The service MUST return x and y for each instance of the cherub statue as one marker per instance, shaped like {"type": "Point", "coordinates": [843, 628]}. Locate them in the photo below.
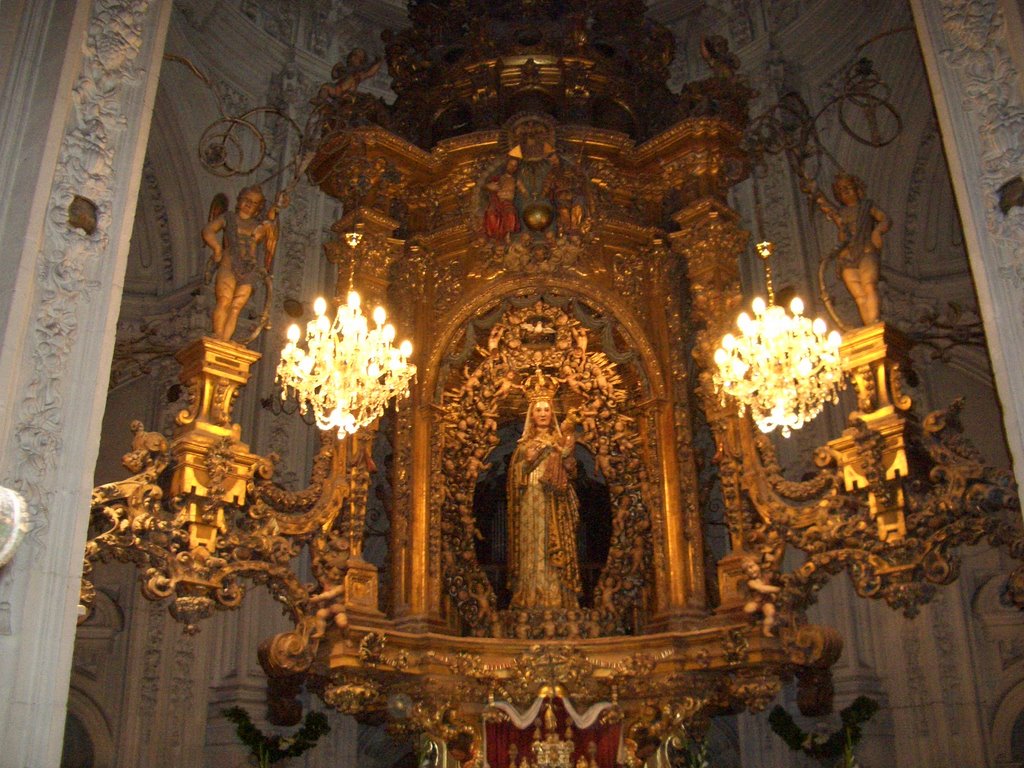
{"type": "Point", "coordinates": [603, 459]}
{"type": "Point", "coordinates": [475, 464]}
{"type": "Point", "coordinates": [572, 625]}
{"type": "Point", "coordinates": [508, 381]}
{"type": "Point", "coordinates": [622, 510]}
{"type": "Point", "coordinates": [472, 380]}
{"type": "Point", "coordinates": [346, 77]}
{"type": "Point", "coordinates": [566, 188]}
{"type": "Point", "coordinates": [580, 338]}
{"type": "Point", "coordinates": [489, 420]}
{"type": "Point", "coordinates": [548, 624]}
{"type": "Point", "coordinates": [494, 337]}
{"type": "Point", "coordinates": [245, 235]}
{"type": "Point", "coordinates": [601, 380]}
{"type": "Point", "coordinates": [518, 251]}
{"type": "Point", "coordinates": [589, 415]}
{"type": "Point", "coordinates": [522, 626]}
{"type": "Point", "coordinates": [571, 378]}
{"type": "Point", "coordinates": [331, 610]}
{"type": "Point", "coordinates": [762, 596]}
{"type": "Point", "coordinates": [609, 586]}
{"type": "Point", "coordinates": [483, 600]}
{"type": "Point", "coordinates": [861, 225]}
{"type": "Point", "coordinates": [621, 436]}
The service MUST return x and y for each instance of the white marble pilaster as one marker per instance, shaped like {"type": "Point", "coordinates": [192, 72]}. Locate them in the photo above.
{"type": "Point", "coordinates": [87, 137]}
{"type": "Point", "coordinates": [969, 52]}
{"type": "Point", "coordinates": [166, 691]}
{"type": "Point", "coordinates": [235, 677]}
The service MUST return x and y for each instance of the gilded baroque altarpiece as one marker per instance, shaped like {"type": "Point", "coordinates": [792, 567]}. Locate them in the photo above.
{"type": "Point", "coordinates": [550, 226]}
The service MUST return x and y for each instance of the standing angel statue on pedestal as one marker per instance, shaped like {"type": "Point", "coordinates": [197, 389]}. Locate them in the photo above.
{"type": "Point", "coordinates": [861, 225]}
{"type": "Point", "coordinates": [243, 253]}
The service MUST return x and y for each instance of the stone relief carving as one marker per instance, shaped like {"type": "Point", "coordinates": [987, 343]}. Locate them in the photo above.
{"type": "Point", "coordinates": [235, 102]}
{"type": "Point", "coordinates": [917, 681]}
{"type": "Point", "coordinates": [144, 342]}
{"type": "Point", "coordinates": [948, 663]}
{"type": "Point", "coordinates": [736, 18]}
{"type": "Point", "coordinates": [989, 85]}
{"type": "Point", "coordinates": [782, 13]}
{"type": "Point", "coordinates": [324, 28]}
{"type": "Point", "coordinates": [152, 656]}
{"type": "Point", "coordinates": [70, 262]}
{"type": "Point", "coordinates": [289, 90]}
{"type": "Point", "coordinates": [155, 203]}
{"type": "Point", "coordinates": [182, 690]}
{"type": "Point", "coordinates": [277, 19]}
{"type": "Point", "coordinates": [933, 240]}
{"type": "Point", "coordinates": [327, 19]}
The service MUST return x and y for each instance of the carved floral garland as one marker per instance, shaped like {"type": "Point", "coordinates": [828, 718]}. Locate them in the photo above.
{"type": "Point", "coordinates": [70, 263]}
{"type": "Point", "coordinates": [978, 53]}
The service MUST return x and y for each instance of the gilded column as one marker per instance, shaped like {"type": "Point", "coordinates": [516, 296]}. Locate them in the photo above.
{"type": "Point", "coordinates": [416, 538]}
{"type": "Point", "coordinates": [709, 241]}
{"type": "Point", "coordinates": [364, 253]}
{"type": "Point", "coordinates": [680, 582]}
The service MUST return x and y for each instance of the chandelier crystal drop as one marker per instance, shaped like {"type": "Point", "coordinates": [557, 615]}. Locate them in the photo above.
{"type": "Point", "coordinates": [348, 371]}
{"type": "Point", "coordinates": [782, 366]}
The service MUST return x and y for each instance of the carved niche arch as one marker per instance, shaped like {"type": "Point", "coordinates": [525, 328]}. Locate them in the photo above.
{"type": "Point", "coordinates": [604, 377]}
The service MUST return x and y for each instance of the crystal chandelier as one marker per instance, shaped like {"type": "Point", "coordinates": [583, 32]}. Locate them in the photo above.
{"type": "Point", "coordinates": [348, 371]}
{"type": "Point", "coordinates": [782, 366]}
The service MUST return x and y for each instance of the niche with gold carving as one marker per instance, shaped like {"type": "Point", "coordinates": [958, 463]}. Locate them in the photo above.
{"type": "Point", "coordinates": [599, 388]}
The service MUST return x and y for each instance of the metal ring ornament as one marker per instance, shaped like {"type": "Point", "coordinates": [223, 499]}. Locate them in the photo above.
{"type": "Point", "coordinates": [865, 91]}
{"type": "Point", "coordinates": [220, 147]}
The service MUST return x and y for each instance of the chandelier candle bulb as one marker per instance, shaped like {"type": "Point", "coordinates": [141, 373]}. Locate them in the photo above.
{"type": "Point", "coordinates": [782, 366]}
{"type": "Point", "coordinates": [348, 371]}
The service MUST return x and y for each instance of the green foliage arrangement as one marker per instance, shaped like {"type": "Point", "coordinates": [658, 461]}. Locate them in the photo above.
{"type": "Point", "coordinates": [829, 748]}
{"type": "Point", "coordinates": [272, 749]}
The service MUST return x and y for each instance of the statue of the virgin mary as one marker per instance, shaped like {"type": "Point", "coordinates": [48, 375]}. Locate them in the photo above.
{"type": "Point", "coordinates": [543, 512]}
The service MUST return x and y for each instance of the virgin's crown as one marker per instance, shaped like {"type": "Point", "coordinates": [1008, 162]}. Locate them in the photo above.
{"type": "Point", "coordinates": [539, 386]}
